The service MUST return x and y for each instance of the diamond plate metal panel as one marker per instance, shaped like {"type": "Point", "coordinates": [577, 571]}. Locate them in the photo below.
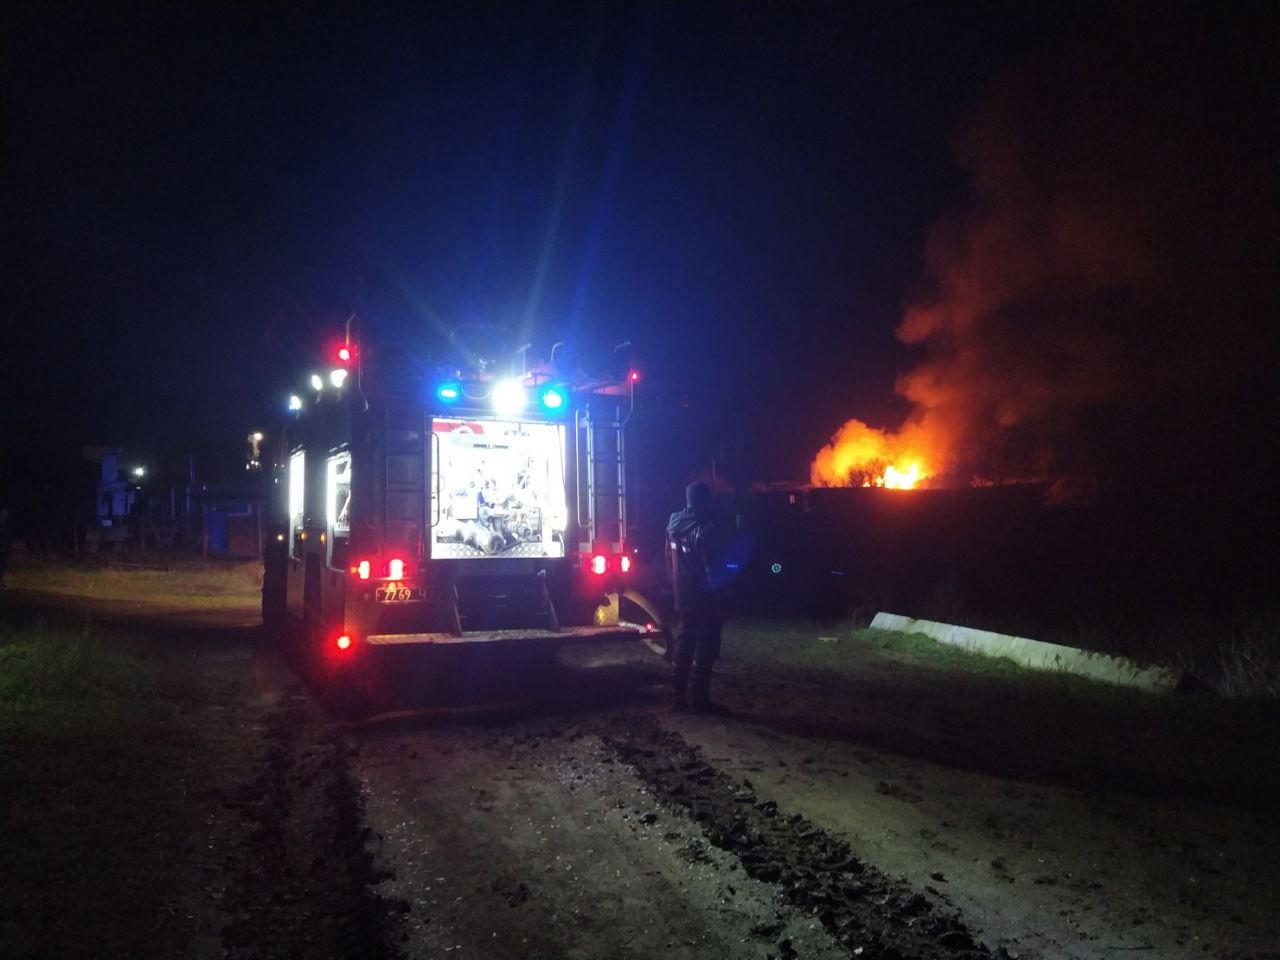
{"type": "Point", "coordinates": [520, 551]}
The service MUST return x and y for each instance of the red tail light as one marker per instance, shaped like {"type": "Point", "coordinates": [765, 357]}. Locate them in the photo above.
{"type": "Point", "coordinates": [395, 569]}
{"type": "Point", "coordinates": [597, 563]}
{"type": "Point", "coordinates": [344, 642]}
{"type": "Point", "coordinates": [624, 563]}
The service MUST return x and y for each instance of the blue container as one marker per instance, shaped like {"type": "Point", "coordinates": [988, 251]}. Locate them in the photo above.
{"type": "Point", "coordinates": [218, 531]}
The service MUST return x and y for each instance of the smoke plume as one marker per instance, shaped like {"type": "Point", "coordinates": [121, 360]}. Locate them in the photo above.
{"type": "Point", "coordinates": [1106, 289]}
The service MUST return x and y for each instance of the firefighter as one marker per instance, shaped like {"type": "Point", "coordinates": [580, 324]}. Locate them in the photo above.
{"type": "Point", "coordinates": [693, 546]}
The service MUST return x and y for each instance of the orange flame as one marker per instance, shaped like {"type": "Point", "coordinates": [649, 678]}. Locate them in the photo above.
{"type": "Point", "coordinates": [896, 479]}
{"type": "Point", "coordinates": [862, 456]}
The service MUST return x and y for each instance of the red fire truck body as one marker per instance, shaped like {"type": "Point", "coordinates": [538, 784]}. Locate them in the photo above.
{"type": "Point", "coordinates": [467, 511]}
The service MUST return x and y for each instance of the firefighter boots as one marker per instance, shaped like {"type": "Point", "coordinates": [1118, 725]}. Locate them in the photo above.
{"type": "Point", "coordinates": [680, 684]}
{"type": "Point", "coordinates": [700, 702]}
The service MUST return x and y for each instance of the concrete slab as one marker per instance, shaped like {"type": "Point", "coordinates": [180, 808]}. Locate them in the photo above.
{"type": "Point", "coordinates": [1037, 654]}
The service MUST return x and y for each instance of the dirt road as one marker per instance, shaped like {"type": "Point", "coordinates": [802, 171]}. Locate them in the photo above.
{"type": "Point", "coordinates": [889, 810]}
{"type": "Point", "coordinates": [866, 804]}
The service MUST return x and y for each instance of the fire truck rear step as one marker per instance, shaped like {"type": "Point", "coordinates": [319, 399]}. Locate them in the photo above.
{"type": "Point", "coordinates": [563, 635]}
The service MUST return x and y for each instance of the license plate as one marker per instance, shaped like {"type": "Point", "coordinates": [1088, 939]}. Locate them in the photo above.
{"type": "Point", "coordinates": [395, 593]}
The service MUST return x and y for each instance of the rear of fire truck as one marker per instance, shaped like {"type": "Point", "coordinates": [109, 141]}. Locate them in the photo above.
{"type": "Point", "coordinates": [476, 509]}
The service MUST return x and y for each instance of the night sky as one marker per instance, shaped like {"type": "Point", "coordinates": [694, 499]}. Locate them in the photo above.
{"type": "Point", "coordinates": [1045, 230]}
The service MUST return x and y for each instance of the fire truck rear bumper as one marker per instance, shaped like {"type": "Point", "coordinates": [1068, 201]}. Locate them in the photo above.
{"type": "Point", "coordinates": [563, 635]}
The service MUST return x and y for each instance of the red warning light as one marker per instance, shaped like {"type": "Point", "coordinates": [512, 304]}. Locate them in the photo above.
{"type": "Point", "coordinates": [344, 642]}
{"type": "Point", "coordinates": [633, 376]}
{"type": "Point", "coordinates": [597, 564]}
{"type": "Point", "coordinates": [345, 353]}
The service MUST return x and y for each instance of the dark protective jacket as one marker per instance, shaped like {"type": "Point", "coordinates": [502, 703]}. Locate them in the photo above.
{"type": "Point", "coordinates": [693, 547]}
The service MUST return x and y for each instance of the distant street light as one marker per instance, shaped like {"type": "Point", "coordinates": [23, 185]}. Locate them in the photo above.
{"type": "Point", "coordinates": [139, 471]}
{"type": "Point", "coordinates": [255, 451]}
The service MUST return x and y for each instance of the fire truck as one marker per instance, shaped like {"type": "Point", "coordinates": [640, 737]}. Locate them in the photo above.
{"type": "Point", "coordinates": [454, 509]}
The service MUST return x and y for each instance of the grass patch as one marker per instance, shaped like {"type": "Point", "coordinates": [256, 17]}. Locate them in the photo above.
{"type": "Point", "coordinates": [1231, 649]}
{"type": "Point", "coordinates": [924, 649]}
{"type": "Point", "coordinates": [66, 681]}
{"type": "Point", "coordinates": [1235, 653]}
{"type": "Point", "coordinates": [842, 646]}
{"type": "Point", "coordinates": [847, 648]}
{"type": "Point", "coordinates": [176, 580]}
{"type": "Point", "coordinates": [915, 649]}
{"type": "Point", "coordinates": [92, 756]}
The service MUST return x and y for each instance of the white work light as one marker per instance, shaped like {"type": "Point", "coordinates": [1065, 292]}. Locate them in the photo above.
{"type": "Point", "coordinates": [337, 376]}
{"type": "Point", "coordinates": [508, 397]}
{"type": "Point", "coordinates": [316, 383]}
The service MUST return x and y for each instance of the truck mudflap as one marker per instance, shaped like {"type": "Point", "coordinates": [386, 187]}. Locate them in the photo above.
{"type": "Point", "coordinates": [622, 631]}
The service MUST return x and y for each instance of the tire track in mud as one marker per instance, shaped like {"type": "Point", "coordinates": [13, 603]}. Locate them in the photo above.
{"type": "Point", "coordinates": [873, 916]}
{"type": "Point", "coordinates": [305, 873]}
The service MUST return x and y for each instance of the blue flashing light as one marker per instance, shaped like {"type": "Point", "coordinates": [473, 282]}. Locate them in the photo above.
{"type": "Point", "coordinates": [553, 399]}
{"type": "Point", "coordinates": [449, 392]}
{"type": "Point", "coordinates": [733, 566]}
